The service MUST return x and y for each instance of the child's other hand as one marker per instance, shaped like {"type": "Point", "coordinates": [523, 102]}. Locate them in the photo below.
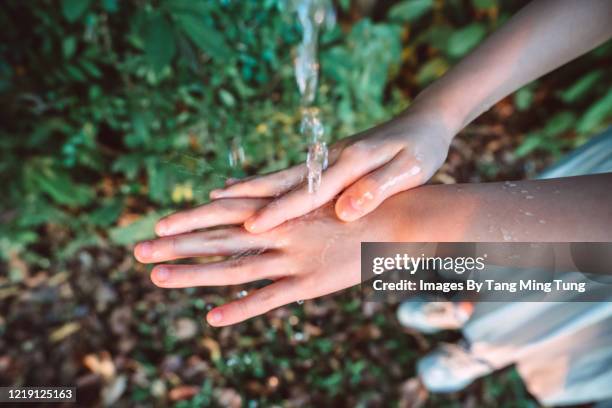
{"type": "Point", "coordinates": [307, 257]}
{"type": "Point", "coordinates": [365, 169]}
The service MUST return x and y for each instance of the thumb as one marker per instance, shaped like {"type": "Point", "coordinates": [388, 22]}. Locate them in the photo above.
{"type": "Point", "coordinates": [365, 195]}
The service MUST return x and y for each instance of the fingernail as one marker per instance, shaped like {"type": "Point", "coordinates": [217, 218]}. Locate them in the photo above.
{"type": "Point", "coordinates": [215, 316]}
{"type": "Point", "coordinates": [162, 274]}
{"type": "Point", "coordinates": [250, 225]}
{"type": "Point", "coordinates": [162, 228]}
{"type": "Point", "coordinates": [356, 203]}
{"type": "Point", "coordinates": [145, 249]}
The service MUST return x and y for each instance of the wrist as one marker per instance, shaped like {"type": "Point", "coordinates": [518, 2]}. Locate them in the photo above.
{"type": "Point", "coordinates": [443, 110]}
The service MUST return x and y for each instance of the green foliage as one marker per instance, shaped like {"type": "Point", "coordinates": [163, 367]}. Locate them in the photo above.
{"type": "Point", "coordinates": [548, 138]}
{"type": "Point", "coordinates": [409, 11]}
{"type": "Point", "coordinates": [462, 41]}
{"type": "Point", "coordinates": [581, 87]}
{"type": "Point", "coordinates": [523, 98]}
{"type": "Point", "coordinates": [596, 115]}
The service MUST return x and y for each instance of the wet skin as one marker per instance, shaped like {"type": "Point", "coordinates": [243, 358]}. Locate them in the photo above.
{"type": "Point", "coordinates": [318, 254]}
{"type": "Point", "coordinates": [405, 152]}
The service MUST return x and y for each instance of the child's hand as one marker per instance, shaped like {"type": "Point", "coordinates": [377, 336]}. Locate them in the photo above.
{"type": "Point", "coordinates": [307, 257]}
{"type": "Point", "coordinates": [366, 168]}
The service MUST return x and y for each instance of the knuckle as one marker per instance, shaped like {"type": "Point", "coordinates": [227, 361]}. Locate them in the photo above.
{"type": "Point", "coordinates": [223, 204]}
{"type": "Point", "coordinates": [175, 245]}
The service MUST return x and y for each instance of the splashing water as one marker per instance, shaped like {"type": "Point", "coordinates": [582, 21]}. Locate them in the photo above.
{"type": "Point", "coordinates": [236, 156]}
{"type": "Point", "coordinates": [316, 160]}
{"type": "Point", "coordinates": [312, 15]}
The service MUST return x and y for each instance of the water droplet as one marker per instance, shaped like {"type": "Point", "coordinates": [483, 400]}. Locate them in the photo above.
{"type": "Point", "coordinates": [300, 302]}
{"type": "Point", "coordinates": [506, 235]}
{"type": "Point", "coordinates": [529, 197]}
{"type": "Point", "coordinates": [298, 336]}
{"type": "Point", "coordinates": [414, 170]}
{"type": "Point", "coordinates": [236, 156]}
{"type": "Point", "coordinates": [542, 222]}
{"type": "Point", "coordinates": [241, 294]}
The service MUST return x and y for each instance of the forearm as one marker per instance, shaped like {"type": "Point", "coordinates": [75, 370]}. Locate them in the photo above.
{"type": "Point", "coordinates": [575, 209]}
{"type": "Point", "coordinates": [539, 38]}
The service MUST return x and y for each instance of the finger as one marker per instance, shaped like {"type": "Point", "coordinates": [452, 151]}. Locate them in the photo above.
{"type": "Point", "coordinates": [218, 212]}
{"type": "Point", "coordinates": [230, 272]}
{"type": "Point", "coordinates": [261, 301]}
{"type": "Point", "coordinates": [270, 185]}
{"type": "Point", "coordinates": [365, 195]}
{"type": "Point", "coordinates": [225, 241]}
{"type": "Point", "coordinates": [299, 202]}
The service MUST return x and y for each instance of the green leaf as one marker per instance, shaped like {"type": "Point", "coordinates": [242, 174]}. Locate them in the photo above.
{"type": "Point", "coordinates": [431, 70]}
{"type": "Point", "coordinates": [581, 87]}
{"type": "Point", "coordinates": [110, 6]}
{"type": "Point", "coordinates": [596, 115]}
{"type": "Point", "coordinates": [227, 98]}
{"type": "Point", "coordinates": [45, 177]}
{"type": "Point", "coordinates": [69, 46]}
{"type": "Point", "coordinates": [73, 9]}
{"type": "Point", "coordinates": [523, 98]}
{"type": "Point", "coordinates": [464, 40]}
{"type": "Point", "coordinates": [107, 213]}
{"type": "Point", "coordinates": [484, 4]}
{"type": "Point", "coordinates": [159, 43]}
{"type": "Point", "coordinates": [559, 123]}
{"type": "Point", "coordinates": [205, 37]}
{"type": "Point", "coordinates": [410, 11]}
{"type": "Point", "coordinates": [139, 230]}
{"type": "Point", "coordinates": [532, 141]}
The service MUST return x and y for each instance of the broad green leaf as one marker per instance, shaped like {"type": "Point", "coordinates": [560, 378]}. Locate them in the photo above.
{"type": "Point", "coordinates": [58, 185]}
{"type": "Point", "coordinates": [431, 70]}
{"type": "Point", "coordinates": [559, 123]}
{"type": "Point", "coordinates": [464, 40]}
{"type": "Point", "coordinates": [227, 98]}
{"type": "Point", "coordinates": [108, 212]}
{"type": "Point", "coordinates": [581, 87]}
{"type": "Point", "coordinates": [206, 37]}
{"type": "Point", "coordinates": [159, 41]}
{"type": "Point", "coordinates": [69, 46]}
{"type": "Point", "coordinates": [90, 68]}
{"type": "Point", "coordinates": [596, 115]}
{"type": "Point", "coordinates": [158, 181]}
{"type": "Point", "coordinates": [73, 9]}
{"type": "Point", "coordinates": [523, 98]}
{"type": "Point", "coordinates": [531, 142]}
{"type": "Point", "coordinates": [409, 11]}
{"type": "Point", "coordinates": [138, 230]}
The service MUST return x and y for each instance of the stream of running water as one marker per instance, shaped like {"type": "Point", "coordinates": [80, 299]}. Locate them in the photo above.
{"type": "Point", "coordinates": [312, 15]}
